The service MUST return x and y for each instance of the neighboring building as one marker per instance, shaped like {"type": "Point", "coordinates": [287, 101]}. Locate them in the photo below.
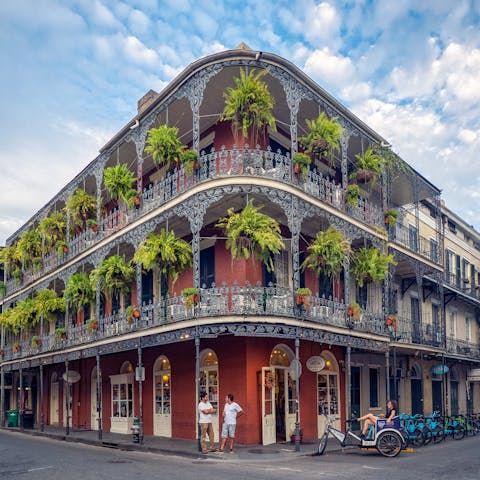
{"type": "Point", "coordinates": [246, 330]}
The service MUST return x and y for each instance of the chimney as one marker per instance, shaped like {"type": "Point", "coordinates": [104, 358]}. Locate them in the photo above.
{"type": "Point", "coordinates": [146, 101]}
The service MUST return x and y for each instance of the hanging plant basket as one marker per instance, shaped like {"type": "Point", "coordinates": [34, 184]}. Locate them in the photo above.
{"type": "Point", "coordinates": [364, 176]}
{"type": "Point", "coordinates": [303, 296]}
{"type": "Point", "coordinates": [191, 296]}
{"type": "Point", "coordinates": [353, 311]}
{"type": "Point", "coordinates": [17, 347]}
{"type": "Point", "coordinates": [92, 325]}
{"type": "Point", "coordinates": [391, 322]}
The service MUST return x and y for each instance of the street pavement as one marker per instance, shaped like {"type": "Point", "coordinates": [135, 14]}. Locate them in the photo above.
{"type": "Point", "coordinates": [27, 456]}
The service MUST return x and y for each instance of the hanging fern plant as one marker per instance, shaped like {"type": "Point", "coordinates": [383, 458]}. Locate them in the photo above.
{"type": "Point", "coordinates": [119, 181]}
{"type": "Point", "coordinates": [79, 291]}
{"type": "Point", "coordinates": [369, 265]}
{"type": "Point", "coordinates": [327, 252]}
{"type": "Point", "coordinates": [47, 302]}
{"type": "Point", "coordinates": [81, 206]}
{"type": "Point", "coordinates": [249, 106]}
{"type": "Point", "coordinates": [170, 254]}
{"type": "Point", "coordinates": [252, 233]}
{"type": "Point", "coordinates": [114, 273]}
{"type": "Point", "coordinates": [164, 145]}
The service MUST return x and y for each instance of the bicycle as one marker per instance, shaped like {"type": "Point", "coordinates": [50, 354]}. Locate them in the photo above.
{"type": "Point", "coordinates": [384, 436]}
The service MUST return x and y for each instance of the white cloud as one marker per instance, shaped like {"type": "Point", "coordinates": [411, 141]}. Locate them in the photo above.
{"type": "Point", "coordinates": [329, 69]}
{"type": "Point", "coordinates": [139, 22]}
{"type": "Point", "coordinates": [137, 52]}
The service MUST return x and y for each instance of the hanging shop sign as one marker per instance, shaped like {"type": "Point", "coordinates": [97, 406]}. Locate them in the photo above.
{"type": "Point", "coordinates": [439, 369]}
{"type": "Point", "coordinates": [293, 369]}
{"type": "Point", "coordinates": [316, 363]}
{"type": "Point", "coordinates": [72, 377]}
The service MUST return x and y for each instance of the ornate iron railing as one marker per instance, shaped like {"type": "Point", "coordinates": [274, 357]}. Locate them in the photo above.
{"type": "Point", "coordinates": [245, 301]}
{"type": "Point", "coordinates": [217, 164]}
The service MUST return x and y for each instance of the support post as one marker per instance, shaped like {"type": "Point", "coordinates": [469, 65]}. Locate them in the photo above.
{"type": "Point", "coordinates": [20, 410]}
{"type": "Point", "coordinates": [387, 372]}
{"type": "Point", "coordinates": [297, 394]}
{"type": "Point", "coordinates": [349, 383]}
{"type": "Point", "coordinates": [2, 396]}
{"type": "Point", "coordinates": [197, 386]}
{"type": "Point", "coordinates": [140, 394]}
{"type": "Point", "coordinates": [42, 416]}
{"type": "Point", "coordinates": [67, 401]}
{"type": "Point", "coordinates": [99, 397]}
{"type": "Point", "coordinates": [395, 393]}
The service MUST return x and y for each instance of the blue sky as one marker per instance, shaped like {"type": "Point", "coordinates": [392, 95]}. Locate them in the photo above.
{"type": "Point", "coordinates": [73, 70]}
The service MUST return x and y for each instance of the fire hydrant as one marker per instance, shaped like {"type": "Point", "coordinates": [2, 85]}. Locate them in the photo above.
{"type": "Point", "coordinates": [135, 428]}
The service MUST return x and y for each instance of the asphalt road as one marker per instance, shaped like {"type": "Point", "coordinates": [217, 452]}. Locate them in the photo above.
{"type": "Point", "coordinates": [26, 457]}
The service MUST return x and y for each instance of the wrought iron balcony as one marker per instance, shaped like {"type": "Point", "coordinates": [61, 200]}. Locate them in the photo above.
{"type": "Point", "coordinates": [465, 285]}
{"type": "Point", "coordinates": [425, 332]}
{"type": "Point", "coordinates": [245, 301]}
{"type": "Point", "coordinates": [217, 164]}
{"type": "Point", "coordinates": [463, 347]}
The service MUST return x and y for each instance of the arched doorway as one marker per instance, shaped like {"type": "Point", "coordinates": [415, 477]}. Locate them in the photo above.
{"type": "Point", "coordinates": [278, 397]}
{"type": "Point", "coordinates": [453, 392]}
{"type": "Point", "coordinates": [94, 412]}
{"type": "Point", "coordinates": [416, 385]}
{"type": "Point", "coordinates": [122, 405]}
{"type": "Point", "coordinates": [54, 404]}
{"type": "Point", "coordinates": [162, 418]}
{"type": "Point", "coordinates": [209, 383]}
{"type": "Point", "coordinates": [328, 392]}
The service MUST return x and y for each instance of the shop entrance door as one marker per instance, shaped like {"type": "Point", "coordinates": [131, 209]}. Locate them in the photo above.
{"type": "Point", "coordinates": [54, 407]}
{"type": "Point", "coordinates": [268, 411]}
{"type": "Point", "coordinates": [285, 405]}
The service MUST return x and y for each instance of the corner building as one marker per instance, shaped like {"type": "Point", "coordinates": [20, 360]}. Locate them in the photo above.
{"type": "Point", "coordinates": [245, 332]}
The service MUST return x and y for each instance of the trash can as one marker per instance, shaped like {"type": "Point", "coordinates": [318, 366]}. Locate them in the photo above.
{"type": "Point", "coordinates": [28, 419]}
{"type": "Point", "coordinates": [12, 418]}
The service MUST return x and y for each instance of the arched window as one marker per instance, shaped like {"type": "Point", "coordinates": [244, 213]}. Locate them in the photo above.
{"type": "Point", "coordinates": [209, 376]}
{"type": "Point", "coordinates": [162, 401]}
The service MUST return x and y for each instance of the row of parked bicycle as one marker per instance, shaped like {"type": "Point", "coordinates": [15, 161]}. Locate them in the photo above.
{"type": "Point", "coordinates": [418, 430]}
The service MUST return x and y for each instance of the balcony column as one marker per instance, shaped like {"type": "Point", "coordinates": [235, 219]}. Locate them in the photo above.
{"type": "Point", "coordinates": [2, 393]}
{"type": "Point", "coordinates": [197, 383]}
{"type": "Point", "coordinates": [344, 165]}
{"type": "Point", "coordinates": [195, 213]}
{"type": "Point", "coordinates": [98, 180]}
{"type": "Point", "coordinates": [99, 396]}
{"type": "Point", "coordinates": [98, 294]}
{"type": "Point", "coordinates": [138, 281]}
{"type": "Point", "coordinates": [138, 136]}
{"type": "Point", "coordinates": [419, 279]}
{"type": "Point", "coordinates": [439, 224]}
{"type": "Point", "coordinates": [346, 282]}
{"type": "Point", "coordinates": [20, 407]}
{"type": "Point", "coordinates": [348, 388]}
{"type": "Point", "coordinates": [416, 188]}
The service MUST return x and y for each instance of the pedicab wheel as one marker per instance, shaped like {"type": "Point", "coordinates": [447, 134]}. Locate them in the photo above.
{"type": "Point", "coordinates": [322, 445]}
{"type": "Point", "coordinates": [389, 444]}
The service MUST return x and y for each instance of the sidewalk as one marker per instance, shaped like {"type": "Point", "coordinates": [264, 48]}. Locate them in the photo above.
{"type": "Point", "coordinates": [176, 446]}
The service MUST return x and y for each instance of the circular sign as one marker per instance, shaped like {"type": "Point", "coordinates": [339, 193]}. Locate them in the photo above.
{"type": "Point", "coordinates": [293, 369]}
{"type": "Point", "coordinates": [439, 369]}
{"type": "Point", "coordinates": [316, 364]}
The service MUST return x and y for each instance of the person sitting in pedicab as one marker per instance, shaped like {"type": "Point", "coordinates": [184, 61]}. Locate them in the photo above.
{"type": "Point", "coordinates": [371, 419]}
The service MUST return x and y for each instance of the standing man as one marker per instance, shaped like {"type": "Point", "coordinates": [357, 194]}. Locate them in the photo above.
{"type": "Point", "coordinates": [205, 411]}
{"type": "Point", "coordinates": [231, 411]}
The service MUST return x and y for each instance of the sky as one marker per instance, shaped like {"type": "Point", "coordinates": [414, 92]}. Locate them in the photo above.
{"type": "Point", "coordinates": [73, 70]}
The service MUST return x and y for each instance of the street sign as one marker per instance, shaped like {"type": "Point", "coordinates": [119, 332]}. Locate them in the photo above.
{"type": "Point", "coordinates": [439, 369]}
{"type": "Point", "coordinates": [140, 374]}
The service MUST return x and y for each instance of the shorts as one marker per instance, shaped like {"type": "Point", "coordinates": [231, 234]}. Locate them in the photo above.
{"type": "Point", "coordinates": [228, 430]}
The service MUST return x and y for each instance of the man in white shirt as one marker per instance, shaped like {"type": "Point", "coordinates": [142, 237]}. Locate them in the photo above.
{"type": "Point", "coordinates": [205, 411]}
{"type": "Point", "coordinates": [231, 411]}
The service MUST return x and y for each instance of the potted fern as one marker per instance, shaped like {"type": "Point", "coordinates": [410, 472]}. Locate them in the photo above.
{"type": "Point", "coordinates": [323, 138]}
{"type": "Point", "coordinates": [251, 233]}
{"type": "Point", "coordinates": [36, 341]}
{"type": "Point", "coordinates": [354, 311]}
{"type": "Point", "coordinates": [249, 106]}
{"type": "Point", "coordinates": [189, 160]}
{"type": "Point", "coordinates": [79, 291]}
{"type": "Point", "coordinates": [191, 296]}
{"type": "Point", "coordinates": [391, 217]}
{"type": "Point", "coordinates": [61, 334]}
{"type": "Point", "coordinates": [301, 162]}
{"type": "Point", "coordinates": [351, 195]}
{"type": "Point", "coordinates": [92, 325]}
{"type": "Point", "coordinates": [53, 229]}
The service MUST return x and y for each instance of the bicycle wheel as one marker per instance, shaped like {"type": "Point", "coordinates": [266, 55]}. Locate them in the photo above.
{"type": "Point", "coordinates": [438, 434]}
{"type": "Point", "coordinates": [389, 444]}
{"type": "Point", "coordinates": [417, 438]}
{"type": "Point", "coordinates": [322, 445]}
{"type": "Point", "coordinates": [458, 432]}
{"type": "Point", "coordinates": [427, 435]}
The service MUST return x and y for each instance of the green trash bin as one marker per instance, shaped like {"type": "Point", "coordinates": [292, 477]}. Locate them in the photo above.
{"type": "Point", "coordinates": [12, 418]}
